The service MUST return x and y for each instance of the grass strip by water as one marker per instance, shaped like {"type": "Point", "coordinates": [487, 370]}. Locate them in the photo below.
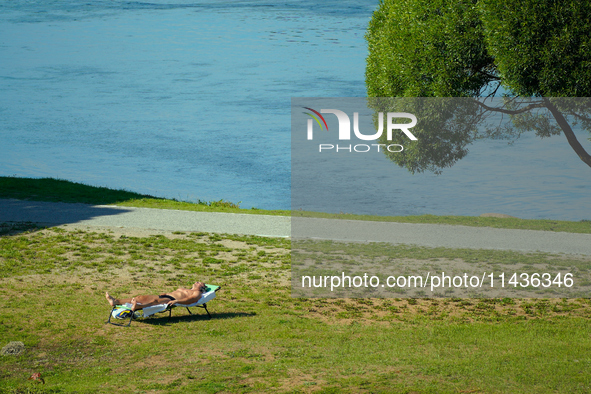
{"type": "Point", "coordinates": [59, 190]}
{"type": "Point", "coordinates": [260, 338]}
{"type": "Point", "coordinates": [49, 189]}
{"type": "Point", "coordinates": [583, 226]}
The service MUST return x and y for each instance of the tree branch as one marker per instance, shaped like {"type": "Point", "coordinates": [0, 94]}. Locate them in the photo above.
{"type": "Point", "coordinates": [580, 116]}
{"type": "Point", "coordinates": [568, 132]}
{"type": "Point", "coordinates": [511, 112]}
{"type": "Point", "coordinates": [489, 76]}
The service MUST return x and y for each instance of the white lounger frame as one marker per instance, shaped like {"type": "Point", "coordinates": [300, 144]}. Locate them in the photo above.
{"type": "Point", "coordinates": [152, 310]}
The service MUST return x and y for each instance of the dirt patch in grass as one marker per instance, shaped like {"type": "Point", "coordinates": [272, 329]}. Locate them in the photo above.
{"type": "Point", "coordinates": [129, 261]}
{"type": "Point", "coordinates": [307, 383]}
{"type": "Point", "coordinates": [380, 311]}
{"type": "Point", "coordinates": [260, 339]}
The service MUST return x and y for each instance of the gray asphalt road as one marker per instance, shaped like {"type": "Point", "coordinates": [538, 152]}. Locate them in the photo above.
{"type": "Point", "coordinates": [278, 226]}
{"type": "Point", "coordinates": [442, 235]}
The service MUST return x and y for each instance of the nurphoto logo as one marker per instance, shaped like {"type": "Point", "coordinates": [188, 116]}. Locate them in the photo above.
{"type": "Point", "coordinates": [345, 130]}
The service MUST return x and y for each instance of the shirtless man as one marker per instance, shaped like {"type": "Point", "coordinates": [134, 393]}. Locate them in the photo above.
{"type": "Point", "coordinates": [179, 296]}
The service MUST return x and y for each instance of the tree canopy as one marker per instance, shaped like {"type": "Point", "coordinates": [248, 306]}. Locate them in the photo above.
{"type": "Point", "coordinates": [535, 50]}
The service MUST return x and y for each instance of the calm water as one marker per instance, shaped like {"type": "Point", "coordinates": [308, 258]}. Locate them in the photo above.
{"type": "Point", "coordinates": [191, 100]}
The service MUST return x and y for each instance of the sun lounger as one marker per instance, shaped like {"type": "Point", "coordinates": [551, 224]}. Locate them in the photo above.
{"type": "Point", "coordinates": [123, 312]}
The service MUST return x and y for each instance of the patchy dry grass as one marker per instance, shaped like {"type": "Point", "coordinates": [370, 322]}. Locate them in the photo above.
{"type": "Point", "coordinates": [260, 339]}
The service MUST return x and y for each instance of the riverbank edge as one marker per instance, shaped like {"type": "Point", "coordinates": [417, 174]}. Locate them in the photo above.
{"type": "Point", "coordinates": [60, 190]}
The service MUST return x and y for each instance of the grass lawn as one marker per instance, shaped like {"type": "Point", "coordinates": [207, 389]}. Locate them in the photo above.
{"type": "Point", "coordinates": [56, 190]}
{"type": "Point", "coordinates": [260, 338]}
{"type": "Point", "coordinates": [59, 190]}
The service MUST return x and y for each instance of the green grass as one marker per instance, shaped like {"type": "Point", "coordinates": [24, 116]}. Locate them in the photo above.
{"type": "Point", "coordinates": [48, 189]}
{"type": "Point", "coordinates": [260, 338]}
{"type": "Point", "coordinates": [583, 226]}
{"type": "Point", "coordinates": [382, 260]}
{"type": "Point", "coordinates": [58, 190]}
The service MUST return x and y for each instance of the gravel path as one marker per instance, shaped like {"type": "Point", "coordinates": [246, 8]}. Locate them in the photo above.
{"type": "Point", "coordinates": [80, 215]}
{"type": "Point", "coordinates": [51, 213]}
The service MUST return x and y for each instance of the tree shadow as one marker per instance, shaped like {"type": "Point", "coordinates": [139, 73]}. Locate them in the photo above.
{"type": "Point", "coordinates": [13, 212]}
{"type": "Point", "coordinates": [15, 228]}
{"type": "Point", "coordinates": [50, 202]}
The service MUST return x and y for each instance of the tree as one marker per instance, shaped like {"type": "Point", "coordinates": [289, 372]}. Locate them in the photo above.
{"type": "Point", "coordinates": [537, 51]}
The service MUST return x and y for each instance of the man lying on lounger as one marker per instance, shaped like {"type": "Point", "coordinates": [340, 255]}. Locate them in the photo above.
{"type": "Point", "coordinates": [179, 296]}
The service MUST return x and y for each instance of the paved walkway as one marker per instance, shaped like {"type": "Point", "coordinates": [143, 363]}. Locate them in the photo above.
{"type": "Point", "coordinates": [278, 226]}
{"type": "Point", "coordinates": [50, 213]}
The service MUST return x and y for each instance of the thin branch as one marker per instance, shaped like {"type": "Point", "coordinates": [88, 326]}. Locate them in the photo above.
{"type": "Point", "coordinates": [579, 116]}
{"type": "Point", "coordinates": [511, 112]}
{"type": "Point", "coordinates": [490, 76]}
{"type": "Point", "coordinates": [497, 88]}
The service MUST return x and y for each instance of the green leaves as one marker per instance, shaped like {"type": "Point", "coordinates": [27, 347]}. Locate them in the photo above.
{"type": "Point", "coordinates": [541, 48]}
{"type": "Point", "coordinates": [427, 48]}
{"type": "Point", "coordinates": [471, 48]}
{"type": "Point", "coordinates": [444, 48]}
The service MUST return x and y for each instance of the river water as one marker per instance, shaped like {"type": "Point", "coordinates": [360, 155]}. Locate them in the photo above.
{"type": "Point", "coordinates": [191, 100]}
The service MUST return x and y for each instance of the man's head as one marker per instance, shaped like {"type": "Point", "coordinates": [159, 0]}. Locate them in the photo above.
{"type": "Point", "coordinates": [199, 286]}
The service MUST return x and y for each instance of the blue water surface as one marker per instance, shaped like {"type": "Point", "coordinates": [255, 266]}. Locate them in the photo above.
{"type": "Point", "coordinates": [184, 99]}
{"type": "Point", "coordinates": [191, 100]}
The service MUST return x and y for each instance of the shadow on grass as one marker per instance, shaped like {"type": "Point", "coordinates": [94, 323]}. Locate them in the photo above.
{"type": "Point", "coordinates": [58, 190]}
{"type": "Point", "coordinates": [163, 321]}
{"type": "Point", "coordinates": [63, 191]}
{"type": "Point", "coordinates": [15, 228]}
